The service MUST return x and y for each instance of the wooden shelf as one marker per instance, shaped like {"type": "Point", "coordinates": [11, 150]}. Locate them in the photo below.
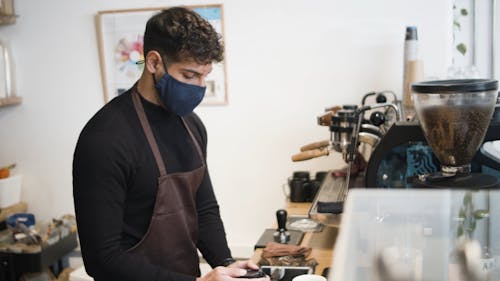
{"type": "Point", "coordinates": [10, 101]}
{"type": "Point", "coordinates": [16, 208]}
{"type": "Point", "coordinates": [7, 19]}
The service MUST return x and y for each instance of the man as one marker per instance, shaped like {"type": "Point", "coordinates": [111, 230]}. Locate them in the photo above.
{"type": "Point", "coordinates": [143, 197]}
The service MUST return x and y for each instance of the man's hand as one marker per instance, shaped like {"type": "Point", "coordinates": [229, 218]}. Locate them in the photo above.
{"type": "Point", "coordinates": [244, 265]}
{"type": "Point", "coordinates": [231, 272]}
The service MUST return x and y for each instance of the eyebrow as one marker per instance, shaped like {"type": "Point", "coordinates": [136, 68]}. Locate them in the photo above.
{"type": "Point", "coordinates": [194, 71]}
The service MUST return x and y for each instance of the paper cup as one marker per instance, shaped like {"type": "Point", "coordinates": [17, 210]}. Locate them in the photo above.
{"type": "Point", "coordinates": [309, 277]}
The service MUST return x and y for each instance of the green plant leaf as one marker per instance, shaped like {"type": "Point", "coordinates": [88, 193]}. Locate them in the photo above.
{"type": "Point", "coordinates": [481, 214]}
{"type": "Point", "coordinates": [461, 213]}
{"type": "Point", "coordinates": [464, 12]}
{"type": "Point", "coordinates": [457, 24]}
{"type": "Point", "coordinates": [468, 194]}
{"type": "Point", "coordinates": [460, 231]}
{"type": "Point", "coordinates": [462, 49]}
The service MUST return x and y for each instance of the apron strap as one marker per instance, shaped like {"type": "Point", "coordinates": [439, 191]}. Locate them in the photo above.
{"type": "Point", "coordinates": [147, 130]}
{"type": "Point", "coordinates": [198, 148]}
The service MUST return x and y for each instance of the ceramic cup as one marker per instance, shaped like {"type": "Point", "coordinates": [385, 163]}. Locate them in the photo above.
{"type": "Point", "coordinates": [309, 277]}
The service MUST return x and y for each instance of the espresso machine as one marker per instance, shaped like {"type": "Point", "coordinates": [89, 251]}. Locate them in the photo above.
{"type": "Point", "coordinates": [439, 150]}
{"type": "Point", "coordinates": [444, 151]}
{"type": "Point", "coordinates": [349, 126]}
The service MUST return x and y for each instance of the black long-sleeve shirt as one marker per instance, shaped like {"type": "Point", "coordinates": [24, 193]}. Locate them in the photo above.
{"type": "Point", "coordinates": [115, 180]}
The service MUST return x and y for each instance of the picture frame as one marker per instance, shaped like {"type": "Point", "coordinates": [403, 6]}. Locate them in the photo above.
{"type": "Point", "coordinates": [120, 39]}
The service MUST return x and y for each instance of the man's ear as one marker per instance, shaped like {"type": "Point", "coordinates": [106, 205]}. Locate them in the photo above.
{"type": "Point", "coordinates": [153, 62]}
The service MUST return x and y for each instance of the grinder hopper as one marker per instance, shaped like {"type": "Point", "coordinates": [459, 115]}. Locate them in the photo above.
{"type": "Point", "coordinates": [454, 116]}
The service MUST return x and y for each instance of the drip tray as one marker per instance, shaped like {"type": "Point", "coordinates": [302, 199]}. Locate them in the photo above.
{"type": "Point", "coordinates": [303, 223]}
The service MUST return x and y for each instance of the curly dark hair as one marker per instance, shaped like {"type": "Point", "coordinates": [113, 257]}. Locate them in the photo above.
{"type": "Point", "coordinates": [181, 34]}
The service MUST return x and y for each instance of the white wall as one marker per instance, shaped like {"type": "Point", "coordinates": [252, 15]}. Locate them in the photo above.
{"type": "Point", "coordinates": [286, 61]}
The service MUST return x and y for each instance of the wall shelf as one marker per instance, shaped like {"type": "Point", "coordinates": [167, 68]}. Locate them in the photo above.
{"type": "Point", "coordinates": [7, 101]}
{"type": "Point", "coordinates": [7, 19]}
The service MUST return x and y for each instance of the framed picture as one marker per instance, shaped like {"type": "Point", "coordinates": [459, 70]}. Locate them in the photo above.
{"type": "Point", "coordinates": [120, 38]}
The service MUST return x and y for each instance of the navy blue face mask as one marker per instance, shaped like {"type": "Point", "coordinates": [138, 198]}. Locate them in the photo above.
{"type": "Point", "coordinates": [181, 98]}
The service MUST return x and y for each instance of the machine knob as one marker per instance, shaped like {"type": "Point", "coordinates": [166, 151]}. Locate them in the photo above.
{"type": "Point", "coordinates": [381, 98]}
{"type": "Point", "coordinates": [377, 118]}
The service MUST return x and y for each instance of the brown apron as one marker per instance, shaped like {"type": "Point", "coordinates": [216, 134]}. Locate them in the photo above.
{"type": "Point", "coordinates": [170, 241]}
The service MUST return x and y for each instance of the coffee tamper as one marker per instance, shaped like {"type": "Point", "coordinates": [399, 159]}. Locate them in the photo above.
{"type": "Point", "coordinates": [281, 235]}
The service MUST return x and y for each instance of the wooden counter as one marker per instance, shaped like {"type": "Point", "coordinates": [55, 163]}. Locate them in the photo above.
{"type": "Point", "coordinates": [321, 242]}
{"type": "Point", "coordinates": [16, 208]}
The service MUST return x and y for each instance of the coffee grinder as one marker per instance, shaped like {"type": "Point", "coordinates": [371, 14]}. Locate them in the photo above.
{"type": "Point", "coordinates": [454, 116]}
